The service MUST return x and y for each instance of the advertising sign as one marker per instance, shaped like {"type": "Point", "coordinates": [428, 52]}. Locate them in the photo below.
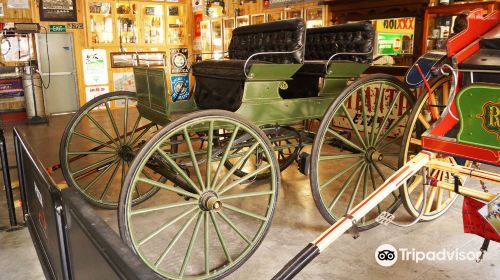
{"type": "Point", "coordinates": [95, 67]}
{"type": "Point", "coordinates": [179, 60]}
{"type": "Point", "coordinates": [389, 44]}
{"type": "Point", "coordinates": [180, 87]}
{"type": "Point", "coordinates": [93, 92]}
{"type": "Point", "coordinates": [396, 25]}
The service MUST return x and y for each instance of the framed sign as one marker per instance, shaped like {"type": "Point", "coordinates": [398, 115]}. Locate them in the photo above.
{"type": "Point", "coordinates": [57, 10]}
{"type": "Point", "coordinates": [123, 59]}
{"type": "Point", "coordinates": [179, 60]}
{"type": "Point", "coordinates": [180, 87]}
{"type": "Point", "coordinates": [151, 59]}
{"type": "Point", "coordinates": [95, 67]}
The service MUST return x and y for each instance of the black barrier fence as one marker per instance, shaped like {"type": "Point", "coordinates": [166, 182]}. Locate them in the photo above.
{"type": "Point", "coordinates": [9, 197]}
{"type": "Point", "coordinates": [71, 241]}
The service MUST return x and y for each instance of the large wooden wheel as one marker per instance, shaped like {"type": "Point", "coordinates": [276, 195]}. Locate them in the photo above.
{"type": "Point", "coordinates": [438, 200]}
{"type": "Point", "coordinates": [98, 145]}
{"type": "Point", "coordinates": [357, 147]}
{"type": "Point", "coordinates": [205, 221]}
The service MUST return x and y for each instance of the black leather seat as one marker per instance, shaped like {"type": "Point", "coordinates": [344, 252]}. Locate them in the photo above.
{"type": "Point", "coordinates": [219, 83]}
{"type": "Point", "coordinates": [321, 44]}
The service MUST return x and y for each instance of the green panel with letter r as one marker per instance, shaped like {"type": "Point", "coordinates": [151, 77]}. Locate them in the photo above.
{"type": "Point", "coordinates": [479, 110]}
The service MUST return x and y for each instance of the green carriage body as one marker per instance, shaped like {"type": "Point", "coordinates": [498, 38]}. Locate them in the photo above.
{"type": "Point", "coordinates": [261, 103]}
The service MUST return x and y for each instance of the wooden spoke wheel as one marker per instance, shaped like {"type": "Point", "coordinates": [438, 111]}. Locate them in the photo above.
{"type": "Point", "coordinates": [205, 221]}
{"type": "Point", "coordinates": [357, 147]}
{"type": "Point", "coordinates": [98, 145]}
{"type": "Point", "coordinates": [287, 143]}
{"type": "Point", "coordinates": [438, 200]}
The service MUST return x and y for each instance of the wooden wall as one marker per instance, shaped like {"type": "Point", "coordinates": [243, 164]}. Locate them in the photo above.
{"type": "Point", "coordinates": [15, 15]}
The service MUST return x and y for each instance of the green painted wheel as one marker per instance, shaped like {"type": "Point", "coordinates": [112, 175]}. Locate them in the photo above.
{"type": "Point", "coordinates": [438, 200]}
{"type": "Point", "coordinates": [204, 222]}
{"type": "Point", "coordinates": [355, 149]}
{"type": "Point", "coordinates": [287, 143]}
{"type": "Point", "coordinates": [98, 145]}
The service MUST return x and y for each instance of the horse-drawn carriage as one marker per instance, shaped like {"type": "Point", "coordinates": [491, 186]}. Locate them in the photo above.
{"type": "Point", "coordinates": [196, 182]}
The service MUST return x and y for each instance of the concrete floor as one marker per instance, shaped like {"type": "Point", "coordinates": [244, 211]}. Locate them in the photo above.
{"type": "Point", "coordinates": [296, 222]}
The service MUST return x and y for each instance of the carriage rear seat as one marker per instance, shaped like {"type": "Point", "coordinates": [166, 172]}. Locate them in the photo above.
{"type": "Point", "coordinates": [486, 58]}
{"type": "Point", "coordinates": [219, 83]}
{"type": "Point", "coordinates": [321, 44]}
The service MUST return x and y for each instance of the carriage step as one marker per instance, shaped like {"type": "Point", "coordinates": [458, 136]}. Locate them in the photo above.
{"type": "Point", "coordinates": [304, 163]}
{"type": "Point", "coordinates": [385, 218]}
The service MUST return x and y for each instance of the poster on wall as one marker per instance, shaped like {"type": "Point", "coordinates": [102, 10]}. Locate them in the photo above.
{"type": "Point", "coordinates": [93, 92]}
{"type": "Point", "coordinates": [197, 5]}
{"type": "Point", "coordinates": [179, 60]}
{"type": "Point", "coordinates": [198, 17]}
{"type": "Point", "coordinates": [57, 10]}
{"type": "Point", "coordinates": [180, 87]}
{"type": "Point", "coordinates": [95, 67]}
{"type": "Point", "coordinates": [1, 10]}
{"type": "Point", "coordinates": [389, 44]}
{"type": "Point", "coordinates": [124, 81]}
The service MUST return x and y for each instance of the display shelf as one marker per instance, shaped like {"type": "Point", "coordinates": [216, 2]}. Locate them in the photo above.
{"type": "Point", "coordinates": [242, 21]}
{"type": "Point", "coordinates": [176, 24]}
{"type": "Point", "coordinates": [127, 28]}
{"type": "Point", "coordinates": [100, 23]}
{"type": "Point", "coordinates": [142, 24]}
{"type": "Point", "coordinates": [206, 39]}
{"type": "Point", "coordinates": [314, 17]}
{"type": "Point", "coordinates": [293, 13]}
{"type": "Point", "coordinates": [154, 27]}
{"type": "Point", "coordinates": [217, 39]}
{"type": "Point", "coordinates": [258, 18]}
{"type": "Point", "coordinates": [274, 16]}
{"type": "Point", "coordinates": [228, 27]}
{"type": "Point", "coordinates": [439, 20]}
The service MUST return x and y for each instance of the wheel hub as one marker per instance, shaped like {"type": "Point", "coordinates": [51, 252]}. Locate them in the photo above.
{"type": "Point", "coordinates": [126, 153]}
{"type": "Point", "coordinates": [209, 201]}
{"type": "Point", "coordinates": [373, 155]}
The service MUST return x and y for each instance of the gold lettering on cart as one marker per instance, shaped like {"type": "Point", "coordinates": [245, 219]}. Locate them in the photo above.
{"type": "Point", "coordinates": [491, 117]}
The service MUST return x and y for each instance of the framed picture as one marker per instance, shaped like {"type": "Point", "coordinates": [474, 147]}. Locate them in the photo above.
{"type": "Point", "coordinates": [173, 11]}
{"type": "Point", "coordinates": [148, 59]}
{"type": "Point", "coordinates": [58, 10]}
{"type": "Point", "coordinates": [123, 59]}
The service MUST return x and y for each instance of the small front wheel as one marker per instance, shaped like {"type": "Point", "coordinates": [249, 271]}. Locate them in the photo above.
{"type": "Point", "coordinates": [205, 221]}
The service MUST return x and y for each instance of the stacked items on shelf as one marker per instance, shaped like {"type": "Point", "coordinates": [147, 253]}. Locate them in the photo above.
{"type": "Point", "coordinates": [11, 92]}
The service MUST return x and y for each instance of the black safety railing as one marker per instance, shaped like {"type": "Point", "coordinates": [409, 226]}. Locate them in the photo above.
{"type": "Point", "coordinates": [70, 239]}
{"type": "Point", "coordinates": [11, 210]}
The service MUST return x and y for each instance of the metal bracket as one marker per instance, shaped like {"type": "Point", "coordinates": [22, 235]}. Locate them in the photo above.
{"type": "Point", "coordinates": [354, 230]}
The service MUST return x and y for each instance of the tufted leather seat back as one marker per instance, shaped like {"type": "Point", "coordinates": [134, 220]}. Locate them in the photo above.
{"type": "Point", "coordinates": [278, 36]}
{"type": "Point", "coordinates": [323, 42]}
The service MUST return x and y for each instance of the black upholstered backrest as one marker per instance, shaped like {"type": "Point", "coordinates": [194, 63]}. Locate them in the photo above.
{"type": "Point", "coordinates": [278, 36]}
{"type": "Point", "coordinates": [323, 42]}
